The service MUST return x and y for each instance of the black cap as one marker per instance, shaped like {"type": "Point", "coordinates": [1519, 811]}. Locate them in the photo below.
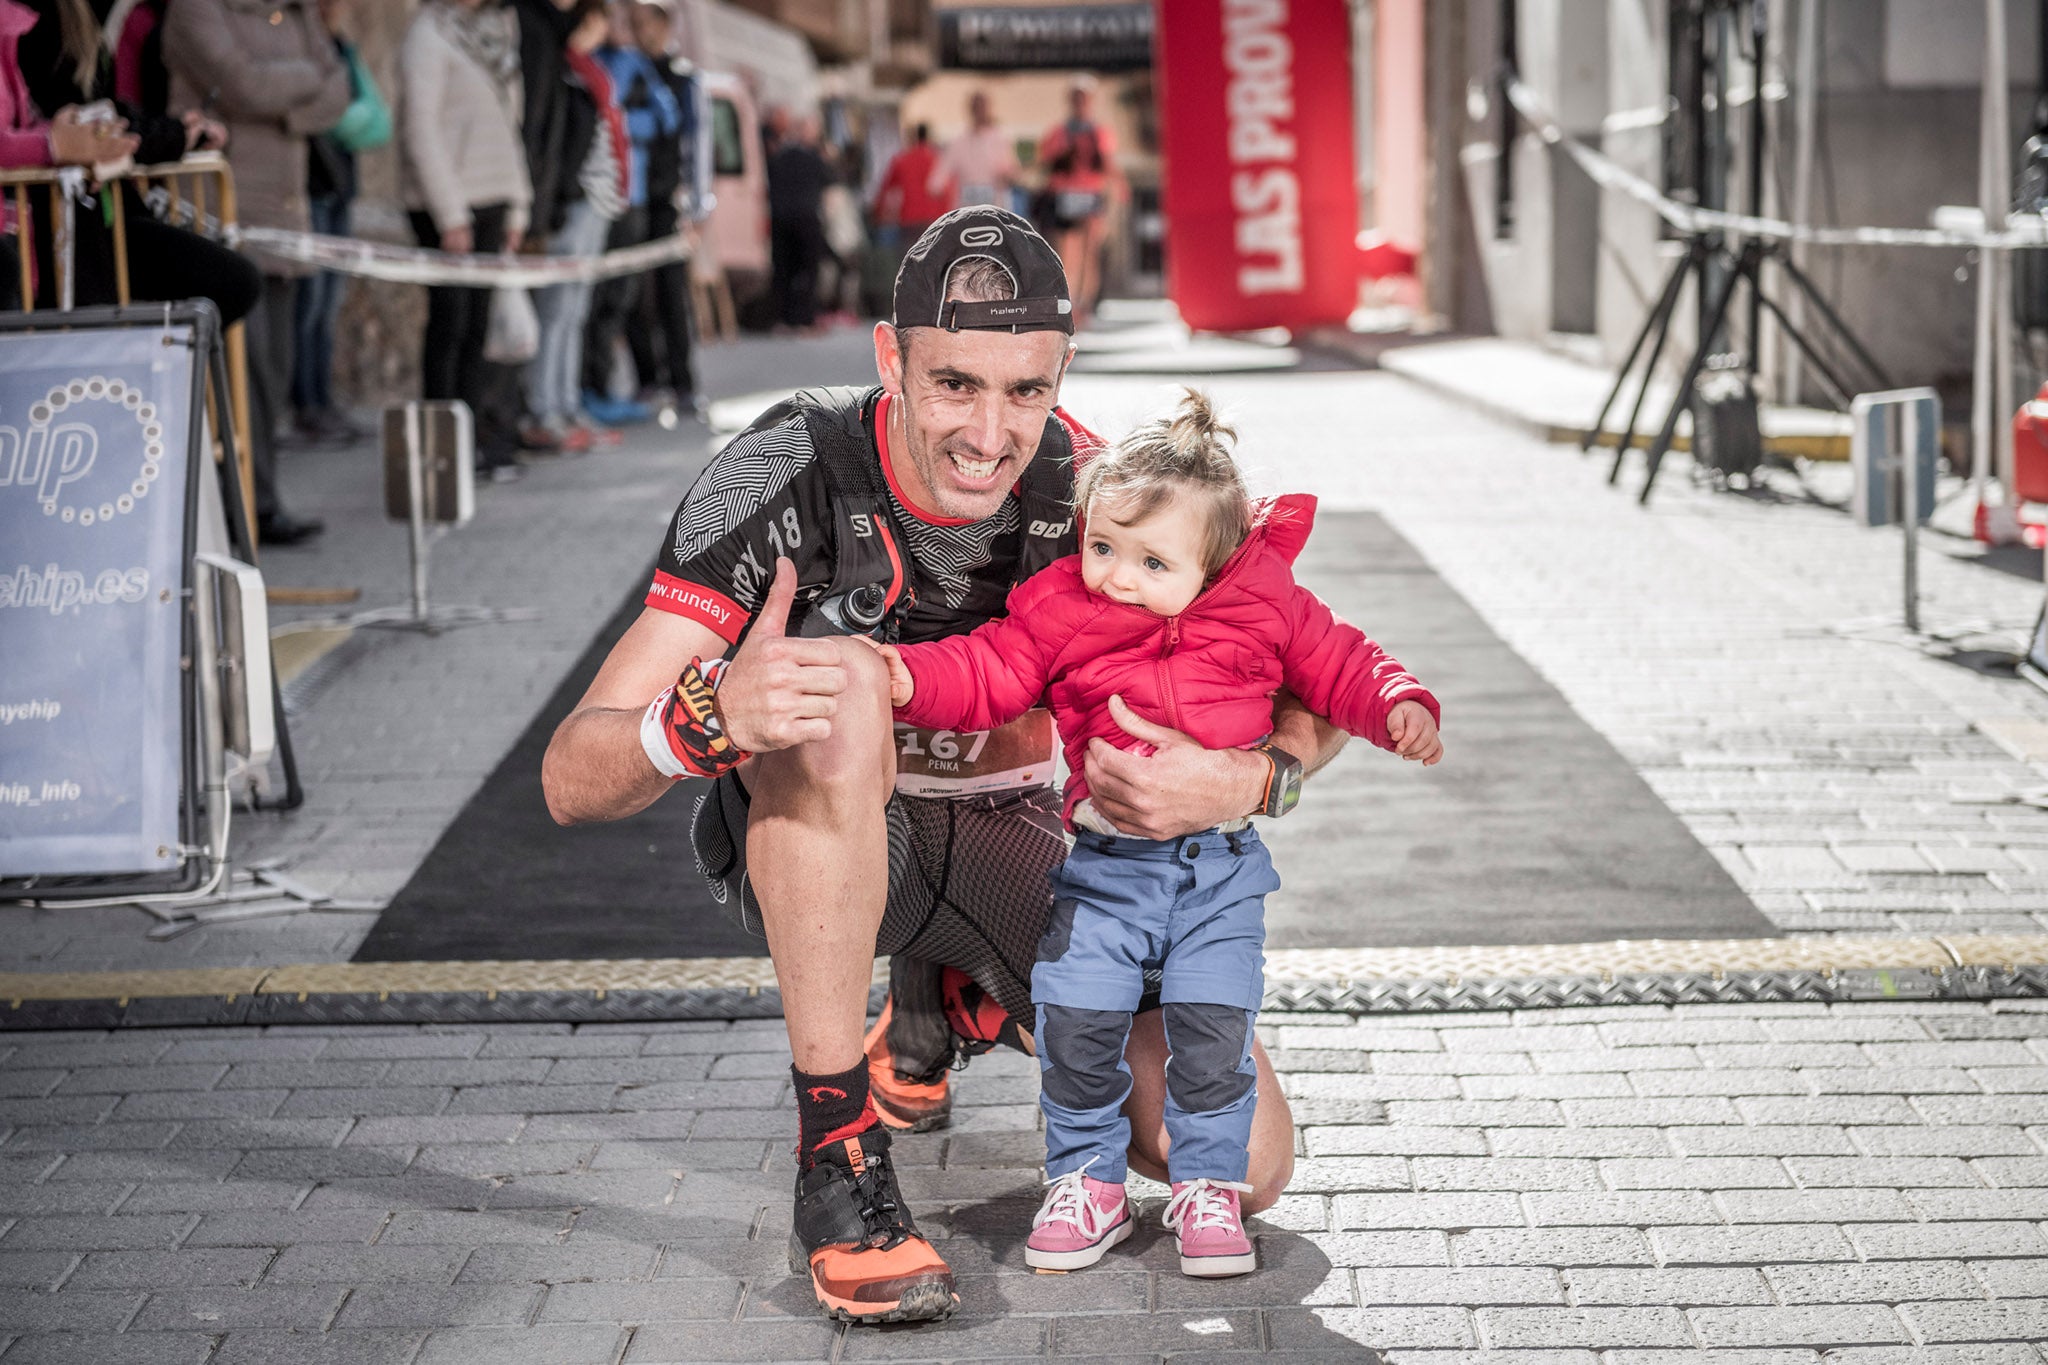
{"type": "Point", "coordinates": [984, 232]}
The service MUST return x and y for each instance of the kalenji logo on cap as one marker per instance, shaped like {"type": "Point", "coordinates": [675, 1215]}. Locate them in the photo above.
{"type": "Point", "coordinates": [980, 236]}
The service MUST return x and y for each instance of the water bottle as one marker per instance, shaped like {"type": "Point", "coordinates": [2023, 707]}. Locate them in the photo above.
{"type": "Point", "coordinates": [856, 612]}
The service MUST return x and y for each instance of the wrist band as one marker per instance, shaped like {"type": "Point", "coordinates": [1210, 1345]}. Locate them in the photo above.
{"type": "Point", "coordinates": [681, 731]}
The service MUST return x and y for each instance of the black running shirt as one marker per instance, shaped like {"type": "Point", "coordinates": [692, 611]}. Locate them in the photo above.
{"type": "Point", "coordinates": [765, 495]}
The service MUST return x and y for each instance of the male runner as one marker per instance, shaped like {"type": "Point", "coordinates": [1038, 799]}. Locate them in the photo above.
{"type": "Point", "coordinates": [908, 510]}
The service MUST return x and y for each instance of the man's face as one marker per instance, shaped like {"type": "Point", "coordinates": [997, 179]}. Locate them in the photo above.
{"type": "Point", "coordinates": [970, 410]}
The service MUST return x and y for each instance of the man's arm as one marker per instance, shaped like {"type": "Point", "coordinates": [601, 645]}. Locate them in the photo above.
{"type": "Point", "coordinates": [777, 693]}
{"type": "Point", "coordinates": [1181, 787]}
{"type": "Point", "coordinates": [595, 768]}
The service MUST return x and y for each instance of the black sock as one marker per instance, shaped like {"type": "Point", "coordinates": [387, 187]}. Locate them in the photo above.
{"type": "Point", "coordinates": [829, 1108]}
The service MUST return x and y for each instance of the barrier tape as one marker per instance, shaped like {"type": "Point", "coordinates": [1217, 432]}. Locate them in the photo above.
{"type": "Point", "coordinates": [2021, 231]}
{"type": "Point", "coordinates": [421, 265]}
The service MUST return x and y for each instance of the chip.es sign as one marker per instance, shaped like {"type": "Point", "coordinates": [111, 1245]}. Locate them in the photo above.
{"type": "Point", "coordinates": [1261, 210]}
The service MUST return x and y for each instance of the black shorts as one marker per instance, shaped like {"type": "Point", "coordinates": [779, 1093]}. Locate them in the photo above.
{"type": "Point", "coordinates": [968, 879]}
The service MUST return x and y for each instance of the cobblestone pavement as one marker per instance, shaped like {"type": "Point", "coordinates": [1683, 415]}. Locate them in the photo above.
{"type": "Point", "coordinates": [1622, 1185]}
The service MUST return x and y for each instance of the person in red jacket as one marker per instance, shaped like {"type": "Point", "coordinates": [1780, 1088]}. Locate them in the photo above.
{"type": "Point", "coordinates": [1182, 608]}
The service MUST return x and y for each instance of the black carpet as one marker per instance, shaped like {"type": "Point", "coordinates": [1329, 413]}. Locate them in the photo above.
{"type": "Point", "coordinates": [1533, 830]}
{"type": "Point", "coordinates": [506, 881]}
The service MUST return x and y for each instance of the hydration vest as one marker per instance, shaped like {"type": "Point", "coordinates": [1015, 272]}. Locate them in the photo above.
{"type": "Point", "coordinates": [868, 536]}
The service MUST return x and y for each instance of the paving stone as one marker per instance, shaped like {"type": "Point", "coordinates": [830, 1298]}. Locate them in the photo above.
{"type": "Point", "coordinates": [402, 1131]}
{"type": "Point", "coordinates": [1634, 1059]}
{"type": "Point", "coordinates": [1808, 1324]}
{"type": "Point", "coordinates": [1562, 1246]}
{"type": "Point", "coordinates": [1678, 1288]}
{"type": "Point", "coordinates": [170, 1269]}
{"type": "Point", "coordinates": [499, 1160]}
{"type": "Point", "coordinates": [1382, 1248]}
{"type": "Point", "coordinates": [1476, 1113]}
{"type": "Point", "coordinates": [1472, 1286]}
{"type": "Point", "coordinates": [95, 1234]}
{"type": "Point", "coordinates": [417, 1227]}
{"type": "Point", "coordinates": [71, 1310]}
{"type": "Point", "coordinates": [1385, 1328]}
{"type": "Point", "coordinates": [334, 1264]}
{"type": "Point", "coordinates": [29, 1140]}
{"type": "Point", "coordinates": [1583, 1327]}
{"type": "Point", "coordinates": [104, 1348]}
{"type": "Point", "coordinates": [1578, 1142]}
{"type": "Point", "coordinates": [63, 1196]}
{"type": "Point", "coordinates": [1776, 1140]}
{"type": "Point", "coordinates": [1624, 1208]}
{"type": "Point", "coordinates": [1695, 1173]}
{"type": "Point", "coordinates": [199, 1104]}
{"type": "Point", "coordinates": [692, 1343]}
{"type": "Point", "coordinates": [1847, 1110]}
{"type": "Point", "coordinates": [1812, 1206]}
{"type": "Point", "coordinates": [1503, 1173]}
{"type": "Point", "coordinates": [668, 1301]}
{"type": "Point", "coordinates": [1334, 1174]}
{"type": "Point", "coordinates": [125, 1080]}
{"type": "Point", "coordinates": [1951, 1205]}
{"type": "Point", "coordinates": [419, 1305]}
{"type": "Point", "coordinates": [1751, 1245]}
{"type": "Point", "coordinates": [1868, 1282]}
{"type": "Point", "coordinates": [317, 1348]}
{"type": "Point", "coordinates": [2001, 1320]}
{"type": "Point", "coordinates": [363, 1103]}
{"type": "Point", "coordinates": [1333, 1140]}
{"type": "Point", "coordinates": [2005, 1280]}
{"type": "Point", "coordinates": [1446, 1210]}
{"type": "Point", "coordinates": [298, 1228]}
{"type": "Point", "coordinates": [1723, 1081]}
{"type": "Point", "coordinates": [392, 1047]}
{"type": "Point", "coordinates": [1945, 1141]}
{"type": "Point", "coordinates": [297, 1075]}
{"type": "Point", "coordinates": [222, 1308]}
{"type": "Point", "coordinates": [1923, 1241]}
{"type": "Point", "coordinates": [1978, 1109]}
{"type": "Point", "coordinates": [558, 1264]}
{"type": "Point", "coordinates": [1819, 1172]}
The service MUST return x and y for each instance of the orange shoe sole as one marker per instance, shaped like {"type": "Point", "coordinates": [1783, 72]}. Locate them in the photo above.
{"type": "Point", "coordinates": [922, 1301]}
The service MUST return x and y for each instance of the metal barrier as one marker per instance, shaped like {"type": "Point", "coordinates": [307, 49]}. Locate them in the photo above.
{"type": "Point", "coordinates": [192, 184]}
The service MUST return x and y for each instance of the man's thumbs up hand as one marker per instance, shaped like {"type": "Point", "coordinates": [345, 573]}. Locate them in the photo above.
{"type": "Point", "coordinates": [779, 692]}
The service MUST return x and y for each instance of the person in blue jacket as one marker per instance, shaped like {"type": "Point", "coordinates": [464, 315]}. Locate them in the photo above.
{"type": "Point", "coordinates": [651, 113]}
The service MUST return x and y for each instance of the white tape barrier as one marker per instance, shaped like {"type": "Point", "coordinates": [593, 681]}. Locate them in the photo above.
{"type": "Point", "coordinates": [2021, 231]}
{"type": "Point", "coordinates": [418, 265]}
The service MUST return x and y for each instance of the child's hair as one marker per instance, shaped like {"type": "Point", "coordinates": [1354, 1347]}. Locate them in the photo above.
{"type": "Point", "coordinates": [1188, 451]}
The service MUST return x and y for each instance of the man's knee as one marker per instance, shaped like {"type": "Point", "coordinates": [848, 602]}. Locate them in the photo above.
{"type": "Point", "coordinates": [1209, 1066]}
{"type": "Point", "coordinates": [859, 756]}
{"type": "Point", "coordinates": [1082, 1056]}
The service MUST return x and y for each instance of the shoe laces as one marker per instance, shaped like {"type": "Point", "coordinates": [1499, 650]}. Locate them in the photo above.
{"type": "Point", "coordinates": [1067, 1201]}
{"type": "Point", "coordinates": [876, 1200]}
{"type": "Point", "coordinates": [1200, 1204]}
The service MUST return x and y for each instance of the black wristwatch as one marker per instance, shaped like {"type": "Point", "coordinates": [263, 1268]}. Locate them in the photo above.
{"type": "Point", "coordinates": [1283, 786]}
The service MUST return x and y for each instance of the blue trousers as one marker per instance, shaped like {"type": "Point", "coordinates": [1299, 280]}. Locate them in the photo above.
{"type": "Point", "coordinates": [1194, 908]}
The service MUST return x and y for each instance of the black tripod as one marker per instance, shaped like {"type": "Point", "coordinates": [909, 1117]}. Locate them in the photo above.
{"type": "Point", "coordinates": [1717, 271]}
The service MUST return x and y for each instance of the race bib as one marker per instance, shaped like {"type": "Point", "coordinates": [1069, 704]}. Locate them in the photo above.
{"type": "Point", "coordinates": [945, 763]}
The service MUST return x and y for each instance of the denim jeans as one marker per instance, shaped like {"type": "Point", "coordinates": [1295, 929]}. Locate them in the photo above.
{"type": "Point", "coordinates": [553, 376]}
{"type": "Point", "coordinates": [313, 314]}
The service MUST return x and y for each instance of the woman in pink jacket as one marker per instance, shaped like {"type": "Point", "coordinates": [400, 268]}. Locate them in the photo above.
{"type": "Point", "coordinates": [1181, 607]}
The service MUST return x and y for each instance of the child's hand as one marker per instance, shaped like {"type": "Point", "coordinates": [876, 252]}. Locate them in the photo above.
{"type": "Point", "coordinates": [1413, 731]}
{"type": "Point", "coordinates": [901, 684]}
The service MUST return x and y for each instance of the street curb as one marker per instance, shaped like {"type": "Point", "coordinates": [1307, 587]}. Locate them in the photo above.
{"type": "Point", "coordinates": [1363, 981]}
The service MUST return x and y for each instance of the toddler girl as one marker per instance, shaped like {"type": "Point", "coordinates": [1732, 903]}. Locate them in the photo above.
{"type": "Point", "coordinates": [1183, 603]}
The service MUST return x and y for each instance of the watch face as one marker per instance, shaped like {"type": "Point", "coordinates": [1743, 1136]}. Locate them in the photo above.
{"type": "Point", "coordinates": [1289, 794]}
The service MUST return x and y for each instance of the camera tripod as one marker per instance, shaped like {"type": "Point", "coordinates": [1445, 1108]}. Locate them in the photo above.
{"type": "Point", "coordinates": [1717, 270]}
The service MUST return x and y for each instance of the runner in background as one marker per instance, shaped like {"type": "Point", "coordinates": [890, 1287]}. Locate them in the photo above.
{"type": "Point", "coordinates": [1079, 157]}
{"type": "Point", "coordinates": [981, 163]}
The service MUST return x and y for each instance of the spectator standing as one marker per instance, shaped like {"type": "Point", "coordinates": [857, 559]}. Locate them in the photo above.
{"type": "Point", "coordinates": [27, 140]}
{"type": "Point", "coordinates": [981, 163]}
{"type": "Point", "coordinates": [330, 189]}
{"type": "Point", "coordinates": [463, 175]}
{"type": "Point", "coordinates": [273, 76]}
{"type": "Point", "coordinates": [1079, 156]}
{"type": "Point", "coordinates": [797, 177]}
{"type": "Point", "coordinates": [594, 134]}
{"type": "Point", "coordinates": [678, 183]}
{"type": "Point", "coordinates": [544, 28]}
{"type": "Point", "coordinates": [908, 200]}
{"type": "Point", "coordinates": [651, 116]}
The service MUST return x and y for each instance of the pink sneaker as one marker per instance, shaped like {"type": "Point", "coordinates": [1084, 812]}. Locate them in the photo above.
{"type": "Point", "coordinates": [1081, 1219]}
{"type": "Point", "coordinates": [1204, 1214]}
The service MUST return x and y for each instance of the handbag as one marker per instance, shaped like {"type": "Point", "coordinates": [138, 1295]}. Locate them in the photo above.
{"type": "Point", "coordinates": [366, 123]}
{"type": "Point", "coordinates": [512, 336]}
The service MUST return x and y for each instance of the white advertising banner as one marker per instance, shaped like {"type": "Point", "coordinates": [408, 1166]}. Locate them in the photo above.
{"type": "Point", "coordinates": [95, 429]}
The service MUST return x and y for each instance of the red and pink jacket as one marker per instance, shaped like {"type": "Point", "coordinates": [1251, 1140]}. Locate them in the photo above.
{"type": "Point", "coordinates": [1209, 672]}
{"type": "Point", "coordinates": [24, 134]}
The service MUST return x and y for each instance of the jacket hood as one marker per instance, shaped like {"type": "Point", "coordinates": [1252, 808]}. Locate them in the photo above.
{"type": "Point", "coordinates": [16, 19]}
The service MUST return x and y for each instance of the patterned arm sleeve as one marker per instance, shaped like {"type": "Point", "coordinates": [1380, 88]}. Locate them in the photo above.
{"type": "Point", "coordinates": [758, 500]}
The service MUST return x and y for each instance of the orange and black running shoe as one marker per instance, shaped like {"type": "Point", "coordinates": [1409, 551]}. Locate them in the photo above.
{"type": "Point", "coordinates": [858, 1243]}
{"type": "Point", "coordinates": [908, 1101]}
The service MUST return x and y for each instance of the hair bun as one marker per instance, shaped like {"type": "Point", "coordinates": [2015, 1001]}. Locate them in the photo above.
{"type": "Point", "coordinates": [1194, 427]}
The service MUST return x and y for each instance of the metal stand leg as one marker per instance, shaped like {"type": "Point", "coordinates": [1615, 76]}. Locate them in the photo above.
{"type": "Point", "coordinates": [1658, 320]}
{"type": "Point", "coordinates": [1745, 267]}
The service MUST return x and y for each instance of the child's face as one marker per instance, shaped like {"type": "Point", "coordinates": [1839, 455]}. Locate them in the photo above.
{"type": "Point", "coordinates": [1155, 563]}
